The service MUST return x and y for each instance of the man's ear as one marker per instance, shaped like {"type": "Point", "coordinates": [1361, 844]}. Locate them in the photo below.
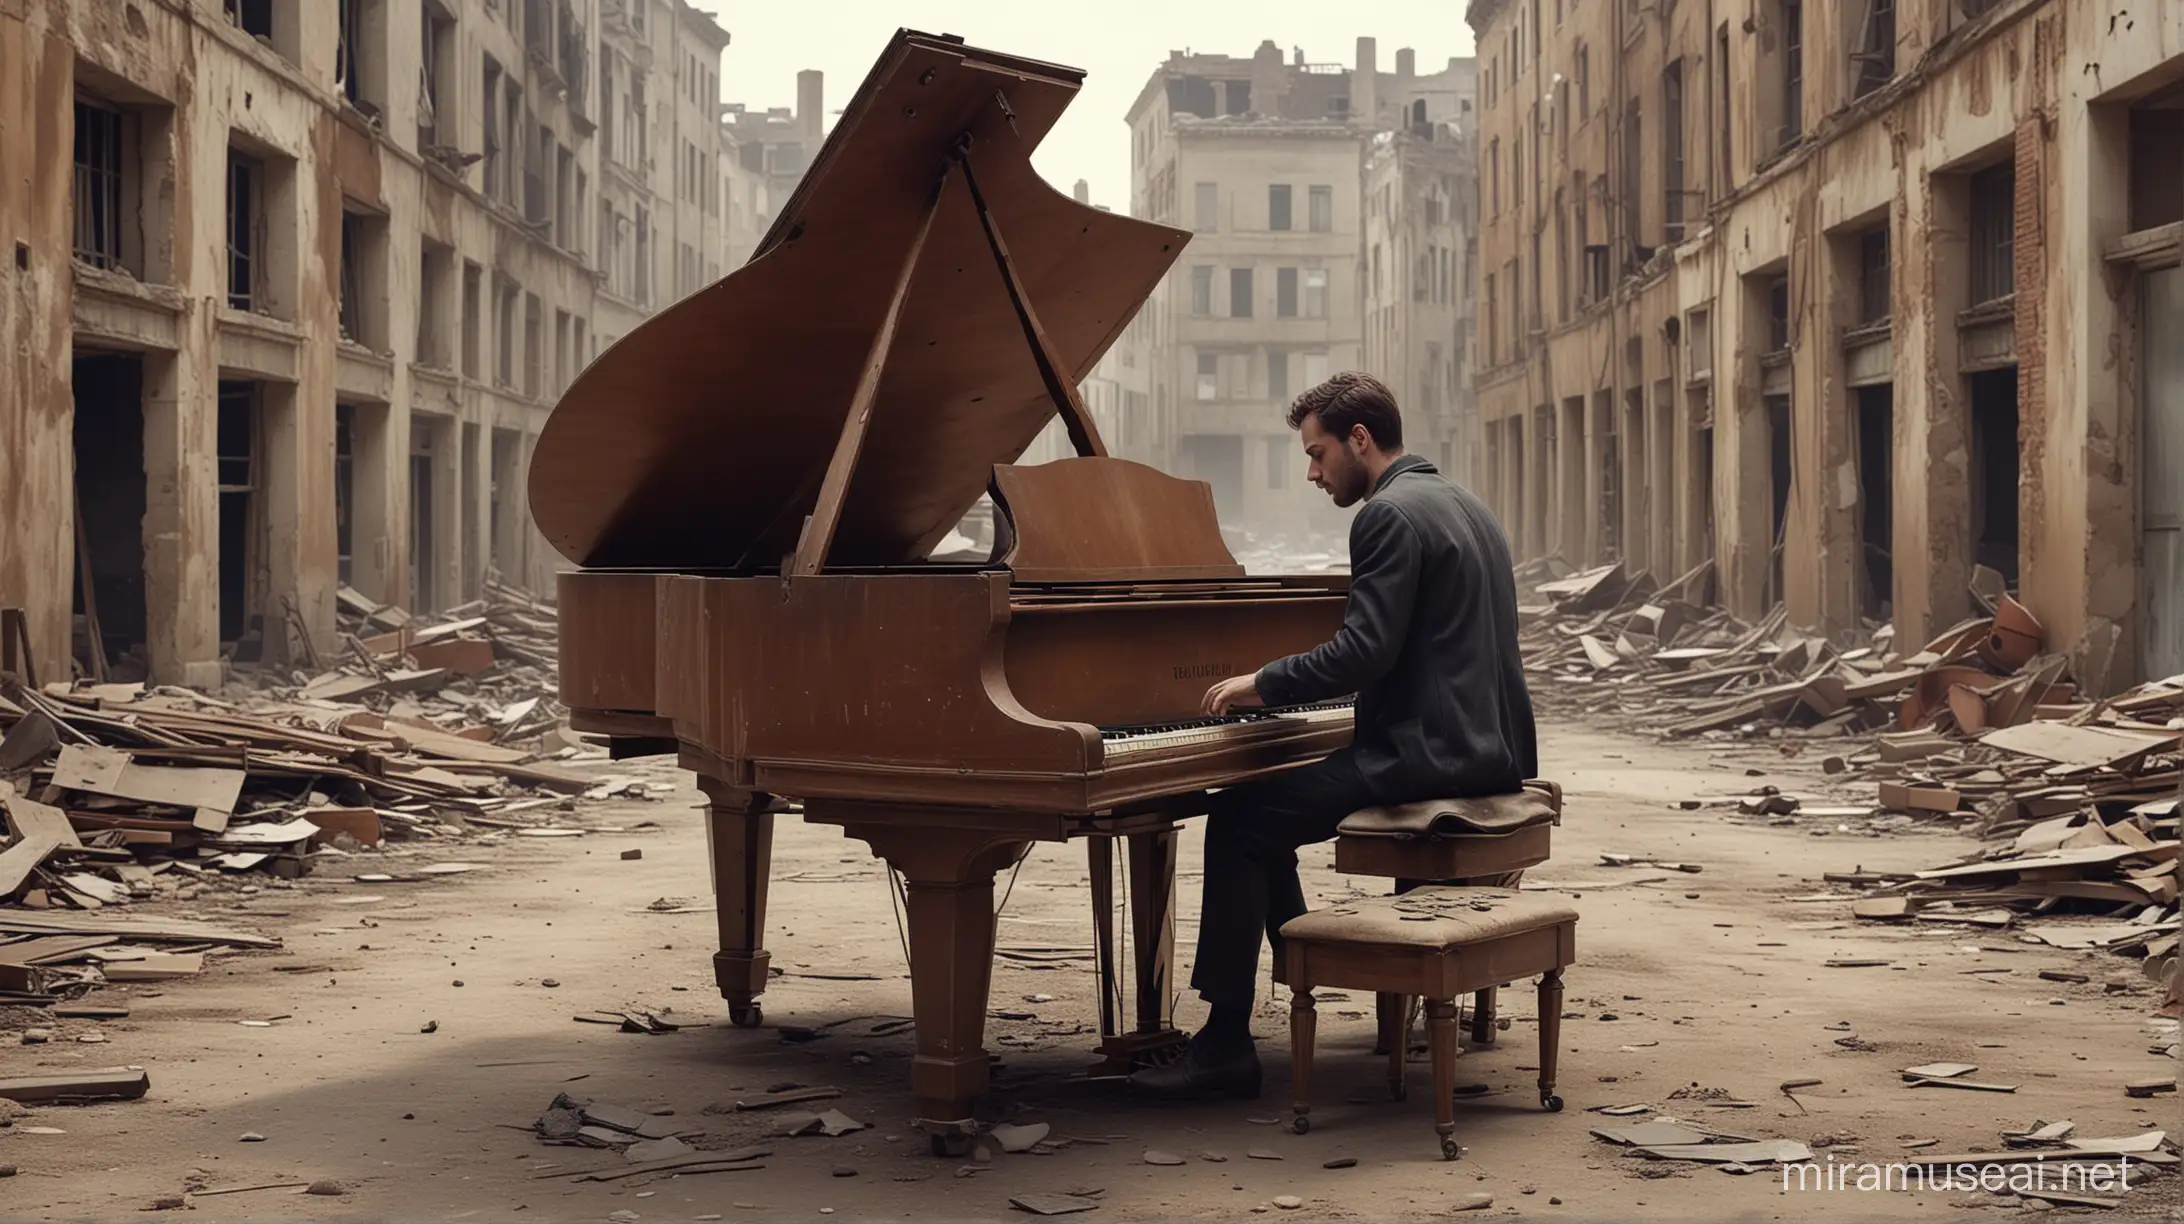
{"type": "Point", "coordinates": [1361, 439]}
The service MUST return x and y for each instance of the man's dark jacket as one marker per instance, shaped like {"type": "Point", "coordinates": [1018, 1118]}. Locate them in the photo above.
{"type": "Point", "coordinates": [1428, 644]}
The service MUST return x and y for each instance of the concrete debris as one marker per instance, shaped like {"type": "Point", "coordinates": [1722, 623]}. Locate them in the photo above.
{"type": "Point", "coordinates": [1977, 727]}
{"type": "Point", "coordinates": [112, 793]}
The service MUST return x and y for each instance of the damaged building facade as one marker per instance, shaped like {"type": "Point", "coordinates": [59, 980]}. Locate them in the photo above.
{"type": "Point", "coordinates": [1323, 200]}
{"type": "Point", "coordinates": [1847, 299]}
{"type": "Point", "coordinates": [292, 285]}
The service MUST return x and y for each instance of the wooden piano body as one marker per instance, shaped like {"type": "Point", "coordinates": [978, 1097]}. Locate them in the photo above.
{"type": "Point", "coordinates": [751, 480]}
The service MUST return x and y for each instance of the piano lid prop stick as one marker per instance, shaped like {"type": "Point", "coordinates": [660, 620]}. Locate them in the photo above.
{"type": "Point", "coordinates": [1083, 434]}
{"type": "Point", "coordinates": [818, 533]}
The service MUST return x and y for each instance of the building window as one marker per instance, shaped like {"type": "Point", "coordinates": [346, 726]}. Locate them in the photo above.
{"type": "Point", "coordinates": [491, 163]}
{"type": "Point", "coordinates": [643, 283]}
{"type": "Point", "coordinates": [1493, 322]}
{"type": "Point", "coordinates": [1672, 153]}
{"type": "Point", "coordinates": [1277, 375]}
{"type": "Point", "coordinates": [1584, 83]}
{"type": "Point", "coordinates": [1320, 202]}
{"type": "Point", "coordinates": [1493, 175]}
{"type": "Point", "coordinates": [473, 317]}
{"type": "Point", "coordinates": [506, 327]}
{"type": "Point", "coordinates": [351, 306]}
{"type": "Point", "coordinates": [252, 17]}
{"type": "Point", "coordinates": [356, 55]}
{"type": "Point", "coordinates": [98, 185]}
{"type": "Point", "coordinates": [1209, 375]}
{"type": "Point", "coordinates": [1633, 171]}
{"type": "Point", "coordinates": [1420, 278]}
{"type": "Point", "coordinates": [1778, 313]}
{"type": "Point", "coordinates": [1873, 291]}
{"type": "Point", "coordinates": [245, 181]}
{"type": "Point", "coordinates": [1876, 54]}
{"type": "Point", "coordinates": [1277, 206]}
{"type": "Point", "coordinates": [1285, 293]}
{"type": "Point", "coordinates": [1793, 69]}
{"type": "Point", "coordinates": [534, 327]}
{"type": "Point", "coordinates": [1206, 206]}
{"type": "Point", "coordinates": [1315, 293]}
{"type": "Point", "coordinates": [1202, 290]}
{"type": "Point", "coordinates": [1994, 225]}
{"type": "Point", "coordinates": [1239, 293]}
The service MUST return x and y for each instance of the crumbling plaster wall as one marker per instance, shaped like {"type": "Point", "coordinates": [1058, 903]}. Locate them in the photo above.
{"type": "Point", "coordinates": [37, 519]}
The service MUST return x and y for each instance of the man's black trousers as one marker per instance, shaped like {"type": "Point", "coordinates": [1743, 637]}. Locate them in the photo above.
{"type": "Point", "coordinates": [1251, 885]}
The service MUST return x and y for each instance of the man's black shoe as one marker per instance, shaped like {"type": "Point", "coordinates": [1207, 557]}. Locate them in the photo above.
{"type": "Point", "coordinates": [1202, 1071]}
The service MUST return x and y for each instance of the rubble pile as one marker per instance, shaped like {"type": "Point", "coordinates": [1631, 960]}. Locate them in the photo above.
{"type": "Point", "coordinates": [1979, 728]}
{"type": "Point", "coordinates": [118, 791]}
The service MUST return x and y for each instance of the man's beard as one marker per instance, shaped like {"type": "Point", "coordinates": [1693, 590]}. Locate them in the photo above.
{"type": "Point", "coordinates": [1346, 481]}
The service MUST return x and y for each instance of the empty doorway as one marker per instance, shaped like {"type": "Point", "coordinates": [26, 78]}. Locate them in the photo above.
{"type": "Point", "coordinates": [109, 515]}
{"type": "Point", "coordinates": [1876, 408]}
{"type": "Point", "coordinates": [1778, 481]}
{"type": "Point", "coordinates": [240, 508]}
{"type": "Point", "coordinates": [424, 560]}
{"type": "Point", "coordinates": [1994, 471]}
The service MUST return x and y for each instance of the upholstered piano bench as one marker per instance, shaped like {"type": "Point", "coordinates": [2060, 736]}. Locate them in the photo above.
{"type": "Point", "coordinates": [1438, 943]}
{"type": "Point", "coordinates": [1483, 841]}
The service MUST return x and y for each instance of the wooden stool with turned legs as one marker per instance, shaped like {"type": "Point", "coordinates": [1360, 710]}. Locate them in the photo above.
{"type": "Point", "coordinates": [1485, 841]}
{"type": "Point", "coordinates": [1437, 943]}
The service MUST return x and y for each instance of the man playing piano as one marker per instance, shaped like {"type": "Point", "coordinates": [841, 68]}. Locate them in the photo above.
{"type": "Point", "coordinates": [1429, 646]}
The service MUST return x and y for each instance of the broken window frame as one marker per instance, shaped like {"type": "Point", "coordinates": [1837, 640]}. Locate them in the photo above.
{"type": "Point", "coordinates": [1992, 250]}
{"type": "Point", "coordinates": [1874, 301]}
{"type": "Point", "coordinates": [100, 183]}
{"type": "Point", "coordinates": [245, 226]}
{"type": "Point", "coordinates": [349, 301]}
{"type": "Point", "coordinates": [1875, 59]}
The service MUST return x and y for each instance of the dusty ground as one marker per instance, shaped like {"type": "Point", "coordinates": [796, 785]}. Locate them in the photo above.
{"type": "Point", "coordinates": [1714, 980]}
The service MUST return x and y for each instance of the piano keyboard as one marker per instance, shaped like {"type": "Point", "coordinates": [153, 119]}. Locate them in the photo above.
{"type": "Point", "coordinates": [1125, 741]}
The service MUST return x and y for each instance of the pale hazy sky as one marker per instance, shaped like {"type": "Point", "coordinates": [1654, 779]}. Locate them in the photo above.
{"type": "Point", "coordinates": [1117, 42]}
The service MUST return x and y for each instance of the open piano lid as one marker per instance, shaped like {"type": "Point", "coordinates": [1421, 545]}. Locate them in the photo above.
{"type": "Point", "coordinates": [700, 439]}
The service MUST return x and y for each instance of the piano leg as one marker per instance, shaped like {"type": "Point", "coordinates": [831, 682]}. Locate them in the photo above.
{"type": "Point", "coordinates": [1152, 945]}
{"type": "Point", "coordinates": [948, 873]}
{"type": "Point", "coordinates": [740, 833]}
{"type": "Point", "coordinates": [1152, 923]}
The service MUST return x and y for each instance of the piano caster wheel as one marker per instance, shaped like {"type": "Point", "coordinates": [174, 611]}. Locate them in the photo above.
{"type": "Point", "coordinates": [1302, 1125]}
{"type": "Point", "coordinates": [951, 1145]}
{"type": "Point", "coordinates": [746, 1015]}
{"type": "Point", "coordinates": [1449, 1150]}
{"type": "Point", "coordinates": [1551, 1102]}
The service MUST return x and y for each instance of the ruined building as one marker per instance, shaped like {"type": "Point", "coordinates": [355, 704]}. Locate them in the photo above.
{"type": "Point", "coordinates": [765, 155]}
{"type": "Point", "coordinates": [291, 285]}
{"type": "Point", "coordinates": [1847, 298]}
{"type": "Point", "coordinates": [1328, 237]}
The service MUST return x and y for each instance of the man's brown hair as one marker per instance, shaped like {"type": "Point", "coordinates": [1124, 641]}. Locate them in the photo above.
{"type": "Point", "coordinates": [1352, 398]}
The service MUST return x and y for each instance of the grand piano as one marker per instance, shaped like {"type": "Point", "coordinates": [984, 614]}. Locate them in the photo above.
{"type": "Point", "coordinates": [752, 482]}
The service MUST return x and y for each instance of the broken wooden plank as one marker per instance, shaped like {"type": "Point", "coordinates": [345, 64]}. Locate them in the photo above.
{"type": "Point", "coordinates": [175, 930]}
{"type": "Point", "coordinates": [107, 1084]}
{"type": "Point", "coordinates": [110, 771]}
{"type": "Point", "coordinates": [2080, 747]}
